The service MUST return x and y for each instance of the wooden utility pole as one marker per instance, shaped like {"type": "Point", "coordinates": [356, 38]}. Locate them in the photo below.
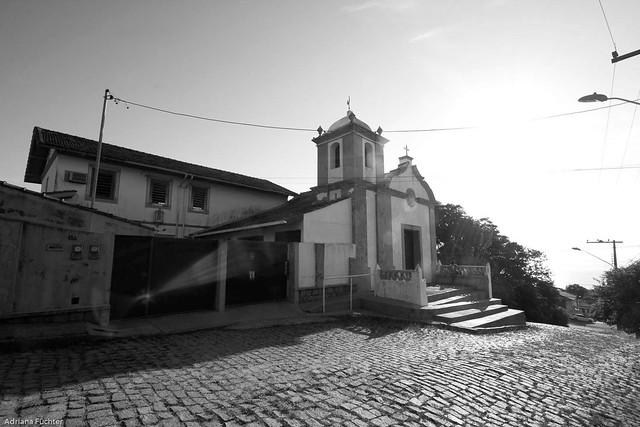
{"type": "Point", "coordinates": [96, 171]}
{"type": "Point", "coordinates": [615, 255]}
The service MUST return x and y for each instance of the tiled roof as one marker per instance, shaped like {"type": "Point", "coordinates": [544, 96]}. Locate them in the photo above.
{"type": "Point", "coordinates": [291, 211]}
{"type": "Point", "coordinates": [43, 140]}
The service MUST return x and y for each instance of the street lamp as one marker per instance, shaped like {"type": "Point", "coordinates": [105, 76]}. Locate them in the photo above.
{"type": "Point", "coordinates": [595, 256]}
{"type": "Point", "coordinates": [602, 98]}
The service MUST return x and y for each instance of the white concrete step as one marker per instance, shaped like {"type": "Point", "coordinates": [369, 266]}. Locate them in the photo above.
{"type": "Point", "coordinates": [462, 305]}
{"type": "Point", "coordinates": [472, 313]}
{"type": "Point", "coordinates": [509, 317]}
{"type": "Point", "coordinates": [437, 294]}
{"type": "Point", "coordinates": [449, 300]}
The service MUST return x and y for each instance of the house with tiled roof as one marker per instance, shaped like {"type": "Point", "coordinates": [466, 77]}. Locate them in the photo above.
{"type": "Point", "coordinates": [175, 197]}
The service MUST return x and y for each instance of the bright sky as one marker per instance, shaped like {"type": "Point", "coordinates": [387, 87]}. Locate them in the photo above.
{"type": "Point", "coordinates": [405, 64]}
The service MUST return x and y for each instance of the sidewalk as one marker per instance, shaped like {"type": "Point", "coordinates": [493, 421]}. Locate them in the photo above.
{"type": "Point", "coordinates": [243, 317]}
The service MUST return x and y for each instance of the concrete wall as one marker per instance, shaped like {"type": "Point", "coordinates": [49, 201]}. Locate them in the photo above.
{"type": "Point", "coordinates": [225, 202]}
{"type": "Point", "coordinates": [336, 262]}
{"type": "Point", "coordinates": [372, 249]}
{"type": "Point", "coordinates": [401, 285]}
{"type": "Point", "coordinates": [41, 276]}
{"type": "Point", "coordinates": [312, 269]}
{"type": "Point", "coordinates": [331, 224]}
{"type": "Point", "coordinates": [477, 277]}
{"type": "Point", "coordinates": [17, 204]}
{"type": "Point", "coordinates": [38, 275]}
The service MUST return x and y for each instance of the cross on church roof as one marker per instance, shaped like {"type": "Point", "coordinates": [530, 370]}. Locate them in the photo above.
{"type": "Point", "coordinates": [349, 103]}
{"type": "Point", "coordinates": [406, 150]}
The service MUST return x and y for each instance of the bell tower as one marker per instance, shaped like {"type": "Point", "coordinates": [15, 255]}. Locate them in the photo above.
{"type": "Point", "coordinates": [348, 151]}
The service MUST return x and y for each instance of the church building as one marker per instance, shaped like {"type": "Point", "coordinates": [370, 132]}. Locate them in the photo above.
{"type": "Point", "coordinates": [389, 218]}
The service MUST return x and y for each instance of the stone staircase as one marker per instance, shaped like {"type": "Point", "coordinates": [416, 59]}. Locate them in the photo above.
{"type": "Point", "coordinates": [460, 309]}
{"type": "Point", "coordinates": [464, 309]}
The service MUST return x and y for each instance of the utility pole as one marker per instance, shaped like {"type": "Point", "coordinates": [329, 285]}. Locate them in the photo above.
{"type": "Point", "coordinates": [615, 255]}
{"type": "Point", "coordinates": [96, 171]}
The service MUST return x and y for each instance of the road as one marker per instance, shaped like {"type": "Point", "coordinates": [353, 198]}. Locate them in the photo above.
{"type": "Point", "coordinates": [355, 372]}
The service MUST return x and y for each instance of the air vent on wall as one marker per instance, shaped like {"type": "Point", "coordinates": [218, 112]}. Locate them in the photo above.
{"type": "Point", "coordinates": [75, 177]}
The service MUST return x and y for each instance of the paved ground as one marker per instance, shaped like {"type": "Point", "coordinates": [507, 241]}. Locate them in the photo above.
{"type": "Point", "coordinates": [351, 372]}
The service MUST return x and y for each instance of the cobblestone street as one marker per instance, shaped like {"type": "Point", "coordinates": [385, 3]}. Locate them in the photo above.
{"type": "Point", "coordinates": [360, 371]}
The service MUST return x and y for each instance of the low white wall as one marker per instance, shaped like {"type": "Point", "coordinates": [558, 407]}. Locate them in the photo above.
{"type": "Point", "coordinates": [305, 265]}
{"type": "Point", "coordinates": [402, 285]}
{"type": "Point", "coordinates": [336, 263]}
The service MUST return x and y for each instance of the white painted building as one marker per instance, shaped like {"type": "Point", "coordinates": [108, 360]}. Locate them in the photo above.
{"type": "Point", "coordinates": [177, 198]}
{"type": "Point", "coordinates": [387, 218]}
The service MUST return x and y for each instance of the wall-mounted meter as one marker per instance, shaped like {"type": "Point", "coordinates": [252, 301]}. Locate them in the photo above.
{"type": "Point", "coordinates": [94, 252]}
{"type": "Point", "coordinates": [76, 251]}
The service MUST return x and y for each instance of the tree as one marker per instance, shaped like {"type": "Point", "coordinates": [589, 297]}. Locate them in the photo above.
{"type": "Point", "coordinates": [518, 274]}
{"type": "Point", "coordinates": [577, 290]}
{"type": "Point", "coordinates": [619, 298]}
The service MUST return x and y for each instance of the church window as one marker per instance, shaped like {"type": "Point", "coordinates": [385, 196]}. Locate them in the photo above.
{"type": "Point", "coordinates": [335, 155]}
{"type": "Point", "coordinates": [368, 155]}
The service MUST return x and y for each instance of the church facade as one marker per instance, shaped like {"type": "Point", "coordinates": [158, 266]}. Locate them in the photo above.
{"type": "Point", "coordinates": [388, 218]}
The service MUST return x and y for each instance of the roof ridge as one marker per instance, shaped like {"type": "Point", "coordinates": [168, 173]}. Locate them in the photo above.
{"type": "Point", "coordinates": [43, 131]}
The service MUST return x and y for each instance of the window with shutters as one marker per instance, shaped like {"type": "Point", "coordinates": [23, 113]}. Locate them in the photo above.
{"type": "Point", "coordinates": [159, 193]}
{"type": "Point", "coordinates": [107, 185]}
{"type": "Point", "coordinates": [199, 199]}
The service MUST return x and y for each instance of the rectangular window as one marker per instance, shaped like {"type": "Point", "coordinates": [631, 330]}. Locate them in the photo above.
{"type": "Point", "coordinates": [106, 185]}
{"type": "Point", "coordinates": [199, 198]}
{"type": "Point", "coordinates": [158, 192]}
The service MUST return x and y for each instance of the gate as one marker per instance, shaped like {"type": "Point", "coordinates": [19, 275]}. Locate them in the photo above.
{"type": "Point", "coordinates": [256, 271]}
{"type": "Point", "coordinates": [160, 275]}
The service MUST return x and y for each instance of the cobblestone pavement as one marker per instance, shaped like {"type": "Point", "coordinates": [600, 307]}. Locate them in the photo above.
{"type": "Point", "coordinates": [360, 371]}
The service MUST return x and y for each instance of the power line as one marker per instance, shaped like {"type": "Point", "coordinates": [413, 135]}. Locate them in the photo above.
{"type": "Point", "coordinates": [626, 145]}
{"type": "Point", "coordinates": [606, 129]}
{"type": "Point", "coordinates": [231, 122]}
{"type": "Point", "coordinates": [605, 168]}
{"type": "Point", "coordinates": [608, 26]}
{"type": "Point", "coordinates": [303, 129]}
{"type": "Point", "coordinates": [432, 130]}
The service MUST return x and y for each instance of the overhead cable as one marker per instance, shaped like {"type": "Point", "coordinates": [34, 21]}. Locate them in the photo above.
{"type": "Point", "coordinates": [303, 129]}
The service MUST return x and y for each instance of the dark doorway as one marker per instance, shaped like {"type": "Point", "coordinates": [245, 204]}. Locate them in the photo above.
{"type": "Point", "coordinates": [256, 272]}
{"type": "Point", "coordinates": [411, 247]}
{"type": "Point", "coordinates": [130, 276]}
{"type": "Point", "coordinates": [161, 275]}
{"type": "Point", "coordinates": [183, 275]}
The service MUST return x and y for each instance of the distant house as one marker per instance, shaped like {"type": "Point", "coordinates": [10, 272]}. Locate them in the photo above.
{"type": "Point", "coordinates": [175, 197]}
{"type": "Point", "coordinates": [568, 301]}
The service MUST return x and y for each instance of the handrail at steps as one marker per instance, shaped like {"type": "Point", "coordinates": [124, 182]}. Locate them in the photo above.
{"type": "Point", "coordinates": [350, 277]}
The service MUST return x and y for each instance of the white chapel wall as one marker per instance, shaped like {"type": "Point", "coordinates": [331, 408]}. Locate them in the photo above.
{"type": "Point", "coordinates": [402, 213]}
{"type": "Point", "coordinates": [331, 224]}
